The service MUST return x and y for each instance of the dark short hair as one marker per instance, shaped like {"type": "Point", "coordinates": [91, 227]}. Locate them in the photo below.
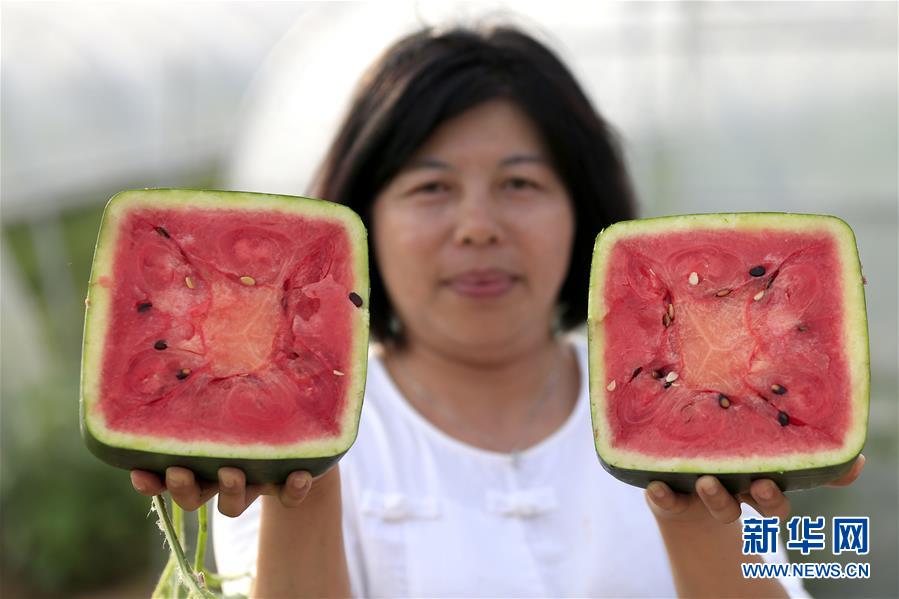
{"type": "Point", "coordinates": [431, 76]}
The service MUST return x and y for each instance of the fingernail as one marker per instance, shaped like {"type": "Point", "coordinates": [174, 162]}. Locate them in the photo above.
{"type": "Point", "coordinates": [766, 492]}
{"type": "Point", "coordinates": [299, 483]}
{"type": "Point", "coordinates": [178, 481]}
{"type": "Point", "coordinates": [229, 482]}
{"type": "Point", "coordinates": [709, 487]}
{"type": "Point", "coordinates": [658, 491]}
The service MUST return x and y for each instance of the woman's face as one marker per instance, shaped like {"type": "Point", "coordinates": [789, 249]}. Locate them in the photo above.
{"type": "Point", "coordinates": [473, 237]}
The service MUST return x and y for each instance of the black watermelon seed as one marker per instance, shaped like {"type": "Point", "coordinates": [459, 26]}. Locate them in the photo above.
{"type": "Point", "coordinates": [667, 384]}
{"type": "Point", "coordinates": [757, 271]}
{"type": "Point", "coordinates": [723, 401]}
{"type": "Point", "coordinates": [637, 371]}
{"type": "Point", "coordinates": [144, 306]}
{"type": "Point", "coordinates": [160, 345]}
{"type": "Point", "coordinates": [183, 374]}
{"type": "Point", "coordinates": [354, 297]}
{"type": "Point", "coordinates": [778, 389]}
{"type": "Point", "coordinates": [163, 232]}
{"type": "Point", "coordinates": [802, 328]}
{"type": "Point", "coordinates": [783, 418]}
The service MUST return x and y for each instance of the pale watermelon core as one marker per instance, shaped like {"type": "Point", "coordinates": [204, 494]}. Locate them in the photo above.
{"type": "Point", "coordinates": [253, 322]}
{"type": "Point", "coordinates": [759, 360]}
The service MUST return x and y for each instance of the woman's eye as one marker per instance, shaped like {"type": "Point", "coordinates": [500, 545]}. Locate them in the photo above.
{"type": "Point", "coordinates": [431, 187]}
{"type": "Point", "coordinates": [520, 183]}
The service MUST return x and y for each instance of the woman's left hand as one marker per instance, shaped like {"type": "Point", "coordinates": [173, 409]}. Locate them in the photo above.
{"type": "Point", "coordinates": [711, 502]}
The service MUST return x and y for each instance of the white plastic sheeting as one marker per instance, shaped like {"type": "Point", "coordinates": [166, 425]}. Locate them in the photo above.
{"type": "Point", "coordinates": [723, 106]}
{"type": "Point", "coordinates": [100, 94]}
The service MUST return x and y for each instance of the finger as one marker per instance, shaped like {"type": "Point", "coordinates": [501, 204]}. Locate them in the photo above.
{"type": "Point", "coordinates": [183, 487]}
{"type": "Point", "coordinates": [146, 483]}
{"type": "Point", "coordinates": [295, 489]}
{"type": "Point", "coordinates": [849, 477]}
{"type": "Point", "coordinates": [769, 500]}
{"type": "Point", "coordinates": [232, 491]}
{"type": "Point", "coordinates": [665, 500]}
{"type": "Point", "coordinates": [720, 504]}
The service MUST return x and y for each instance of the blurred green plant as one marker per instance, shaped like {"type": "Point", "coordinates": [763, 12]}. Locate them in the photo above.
{"type": "Point", "coordinates": [69, 522]}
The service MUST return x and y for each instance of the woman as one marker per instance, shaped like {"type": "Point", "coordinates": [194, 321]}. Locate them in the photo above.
{"type": "Point", "coordinates": [483, 174]}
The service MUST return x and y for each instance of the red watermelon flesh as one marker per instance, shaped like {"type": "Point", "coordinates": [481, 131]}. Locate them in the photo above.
{"type": "Point", "coordinates": [258, 364]}
{"type": "Point", "coordinates": [733, 345]}
{"type": "Point", "coordinates": [230, 328]}
{"type": "Point", "coordinates": [724, 345]}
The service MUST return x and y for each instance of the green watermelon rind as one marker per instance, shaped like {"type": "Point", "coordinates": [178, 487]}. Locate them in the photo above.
{"type": "Point", "coordinates": [789, 471]}
{"type": "Point", "coordinates": [261, 462]}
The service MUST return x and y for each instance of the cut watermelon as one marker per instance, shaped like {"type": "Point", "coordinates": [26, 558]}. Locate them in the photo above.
{"type": "Point", "coordinates": [728, 344]}
{"type": "Point", "coordinates": [225, 328]}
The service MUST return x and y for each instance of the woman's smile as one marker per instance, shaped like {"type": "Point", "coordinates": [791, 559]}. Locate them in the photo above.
{"type": "Point", "coordinates": [483, 283]}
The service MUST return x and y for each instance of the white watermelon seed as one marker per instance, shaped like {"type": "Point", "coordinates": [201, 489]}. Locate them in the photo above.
{"type": "Point", "coordinates": [337, 372]}
{"type": "Point", "coordinates": [248, 281]}
{"type": "Point", "coordinates": [672, 376]}
{"type": "Point", "coordinates": [723, 292]}
{"type": "Point", "coordinates": [694, 279]}
{"type": "Point", "coordinates": [611, 386]}
{"type": "Point", "coordinates": [189, 282]}
{"type": "Point", "coordinates": [759, 295]}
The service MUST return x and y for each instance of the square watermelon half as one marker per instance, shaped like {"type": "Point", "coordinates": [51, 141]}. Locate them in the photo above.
{"type": "Point", "coordinates": [225, 329]}
{"type": "Point", "coordinates": [734, 345]}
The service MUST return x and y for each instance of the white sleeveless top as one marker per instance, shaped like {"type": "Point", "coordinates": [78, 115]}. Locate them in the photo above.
{"type": "Point", "coordinates": [426, 515]}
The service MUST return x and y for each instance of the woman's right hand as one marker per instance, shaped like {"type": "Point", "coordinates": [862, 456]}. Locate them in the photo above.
{"type": "Point", "coordinates": [235, 495]}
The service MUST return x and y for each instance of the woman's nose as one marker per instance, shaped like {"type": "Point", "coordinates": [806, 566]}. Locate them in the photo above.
{"type": "Point", "coordinates": [477, 222]}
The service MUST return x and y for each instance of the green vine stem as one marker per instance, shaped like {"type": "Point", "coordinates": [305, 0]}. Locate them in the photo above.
{"type": "Point", "coordinates": [218, 579]}
{"type": "Point", "coordinates": [200, 553]}
{"type": "Point", "coordinates": [178, 523]}
{"type": "Point", "coordinates": [165, 587]}
{"type": "Point", "coordinates": [168, 528]}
